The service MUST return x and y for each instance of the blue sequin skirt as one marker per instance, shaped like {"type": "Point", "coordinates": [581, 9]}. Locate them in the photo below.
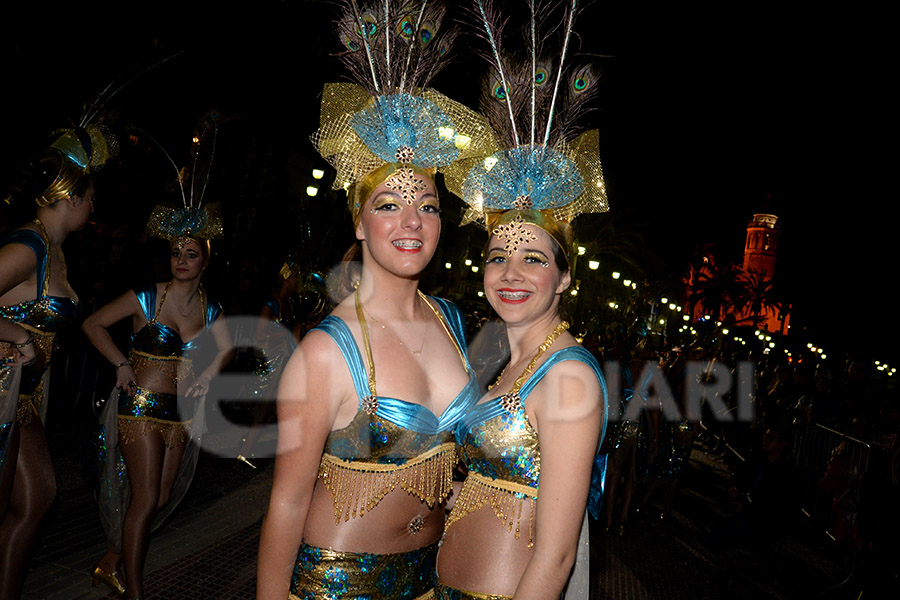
{"type": "Point", "coordinates": [323, 573]}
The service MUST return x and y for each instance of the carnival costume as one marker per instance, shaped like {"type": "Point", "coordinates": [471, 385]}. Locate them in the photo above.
{"type": "Point", "coordinates": [158, 347]}
{"type": "Point", "coordinates": [388, 127]}
{"type": "Point", "coordinates": [389, 443]}
{"type": "Point", "coordinates": [80, 151]}
{"type": "Point", "coordinates": [544, 175]}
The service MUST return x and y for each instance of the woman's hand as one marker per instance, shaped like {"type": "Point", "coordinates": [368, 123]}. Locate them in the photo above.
{"type": "Point", "coordinates": [199, 387]}
{"type": "Point", "coordinates": [24, 354]}
{"type": "Point", "coordinates": [125, 379]}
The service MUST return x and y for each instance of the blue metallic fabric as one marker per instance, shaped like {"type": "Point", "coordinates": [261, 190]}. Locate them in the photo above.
{"type": "Point", "coordinates": [546, 176]}
{"type": "Point", "coordinates": [324, 573]}
{"type": "Point", "coordinates": [161, 340]}
{"type": "Point", "coordinates": [397, 430]}
{"type": "Point", "coordinates": [44, 316]}
{"type": "Point", "coordinates": [501, 445]}
{"type": "Point", "coordinates": [403, 120]}
{"type": "Point", "coordinates": [45, 313]}
{"type": "Point", "coordinates": [147, 404]}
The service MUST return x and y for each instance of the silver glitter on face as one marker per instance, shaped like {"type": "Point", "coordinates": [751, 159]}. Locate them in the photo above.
{"type": "Point", "coordinates": [404, 180]}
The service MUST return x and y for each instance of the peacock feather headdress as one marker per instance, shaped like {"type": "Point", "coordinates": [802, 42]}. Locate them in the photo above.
{"type": "Point", "coordinates": [548, 170]}
{"type": "Point", "coordinates": [388, 115]}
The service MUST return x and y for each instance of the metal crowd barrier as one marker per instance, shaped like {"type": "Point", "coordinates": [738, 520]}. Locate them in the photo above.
{"type": "Point", "coordinates": [831, 464]}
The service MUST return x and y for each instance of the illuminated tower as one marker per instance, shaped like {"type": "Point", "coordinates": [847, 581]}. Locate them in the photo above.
{"type": "Point", "coordinates": [761, 248]}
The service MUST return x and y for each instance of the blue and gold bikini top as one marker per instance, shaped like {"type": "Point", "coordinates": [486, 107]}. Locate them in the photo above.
{"type": "Point", "coordinates": [391, 442]}
{"type": "Point", "coordinates": [159, 340]}
{"type": "Point", "coordinates": [500, 448]}
{"type": "Point", "coordinates": [43, 316]}
{"type": "Point", "coordinates": [45, 313]}
{"type": "Point", "coordinates": [160, 347]}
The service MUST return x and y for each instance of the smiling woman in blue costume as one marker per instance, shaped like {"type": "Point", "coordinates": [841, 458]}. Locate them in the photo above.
{"type": "Point", "coordinates": [530, 444]}
{"type": "Point", "coordinates": [151, 426]}
{"type": "Point", "coordinates": [36, 300]}
{"type": "Point", "coordinates": [368, 400]}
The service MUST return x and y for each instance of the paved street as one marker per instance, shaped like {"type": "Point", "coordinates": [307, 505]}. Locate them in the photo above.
{"type": "Point", "coordinates": [208, 548]}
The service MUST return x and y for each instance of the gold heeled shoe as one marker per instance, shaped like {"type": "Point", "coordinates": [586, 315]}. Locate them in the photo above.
{"type": "Point", "coordinates": [111, 580]}
{"type": "Point", "coordinates": [245, 460]}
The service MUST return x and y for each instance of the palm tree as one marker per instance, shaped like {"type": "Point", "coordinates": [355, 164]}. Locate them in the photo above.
{"type": "Point", "coordinates": [716, 288]}
{"type": "Point", "coordinates": [756, 296]}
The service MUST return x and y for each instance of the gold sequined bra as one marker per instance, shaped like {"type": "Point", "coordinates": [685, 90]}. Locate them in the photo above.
{"type": "Point", "coordinates": [502, 452]}
{"type": "Point", "coordinates": [390, 442]}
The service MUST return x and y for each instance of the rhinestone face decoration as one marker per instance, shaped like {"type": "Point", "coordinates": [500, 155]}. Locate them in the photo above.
{"type": "Point", "coordinates": [370, 404]}
{"type": "Point", "coordinates": [515, 233]}
{"type": "Point", "coordinates": [523, 203]}
{"type": "Point", "coordinates": [405, 154]}
{"type": "Point", "coordinates": [415, 526]}
{"type": "Point", "coordinates": [511, 403]}
{"type": "Point", "coordinates": [404, 180]}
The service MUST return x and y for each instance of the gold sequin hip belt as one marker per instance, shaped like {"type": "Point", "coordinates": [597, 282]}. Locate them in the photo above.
{"type": "Point", "coordinates": [445, 592]}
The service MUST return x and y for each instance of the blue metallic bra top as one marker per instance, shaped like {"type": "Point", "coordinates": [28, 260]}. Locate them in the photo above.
{"type": "Point", "coordinates": [157, 339]}
{"type": "Point", "coordinates": [502, 445]}
{"type": "Point", "coordinates": [394, 431]}
{"type": "Point", "coordinates": [45, 313]}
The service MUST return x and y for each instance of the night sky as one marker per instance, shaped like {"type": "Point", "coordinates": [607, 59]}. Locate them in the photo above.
{"type": "Point", "coordinates": [705, 113]}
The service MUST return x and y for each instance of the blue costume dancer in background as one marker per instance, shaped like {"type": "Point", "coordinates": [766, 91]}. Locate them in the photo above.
{"type": "Point", "coordinates": [36, 301]}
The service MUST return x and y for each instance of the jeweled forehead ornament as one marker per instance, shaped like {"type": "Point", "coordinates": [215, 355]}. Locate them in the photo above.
{"type": "Point", "coordinates": [516, 233]}
{"type": "Point", "coordinates": [404, 181]}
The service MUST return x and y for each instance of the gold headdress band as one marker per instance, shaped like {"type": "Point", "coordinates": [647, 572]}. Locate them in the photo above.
{"type": "Point", "coordinates": [80, 151]}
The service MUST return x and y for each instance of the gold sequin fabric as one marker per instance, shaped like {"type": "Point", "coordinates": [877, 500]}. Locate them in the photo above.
{"type": "Point", "coordinates": [169, 223]}
{"type": "Point", "coordinates": [445, 592]}
{"type": "Point", "coordinates": [323, 573]}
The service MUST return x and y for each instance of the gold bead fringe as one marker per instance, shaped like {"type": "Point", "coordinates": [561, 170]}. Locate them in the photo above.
{"type": "Point", "coordinates": [479, 491]}
{"type": "Point", "coordinates": [357, 487]}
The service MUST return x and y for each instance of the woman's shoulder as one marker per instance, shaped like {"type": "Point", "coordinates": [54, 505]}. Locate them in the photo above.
{"type": "Point", "coordinates": [25, 240]}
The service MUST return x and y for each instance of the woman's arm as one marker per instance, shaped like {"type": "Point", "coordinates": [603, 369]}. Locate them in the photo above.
{"type": "Point", "coordinates": [96, 328]}
{"type": "Point", "coordinates": [220, 333]}
{"type": "Point", "coordinates": [17, 264]}
{"type": "Point", "coordinates": [568, 413]}
{"type": "Point", "coordinates": [309, 397]}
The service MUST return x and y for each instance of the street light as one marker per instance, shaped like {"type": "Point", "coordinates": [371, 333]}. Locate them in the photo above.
{"type": "Point", "coordinates": [447, 265]}
{"type": "Point", "coordinates": [311, 190]}
{"type": "Point", "coordinates": [593, 265]}
{"type": "Point", "coordinates": [318, 173]}
{"type": "Point", "coordinates": [616, 274]}
{"type": "Point", "coordinates": [581, 250]}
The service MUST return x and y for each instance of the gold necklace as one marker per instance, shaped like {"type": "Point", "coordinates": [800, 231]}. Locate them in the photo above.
{"type": "Point", "coordinates": [370, 402]}
{"type": "Point", "coordinates": [398, 340]}
{"type": "Point", "coordinates": [188, 313]}
{"type": "Point", "coordinates": [511, 401]}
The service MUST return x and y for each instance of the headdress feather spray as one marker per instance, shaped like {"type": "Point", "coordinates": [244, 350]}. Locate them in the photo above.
{"type": "Point", "coordinates": [388, 115]}
{"type": "Point", "coordinates": [549, 170]}
{"type": "Point", "coordinates": [193, 218]}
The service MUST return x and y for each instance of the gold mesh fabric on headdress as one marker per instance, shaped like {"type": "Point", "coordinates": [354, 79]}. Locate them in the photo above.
{"type": "Point", "coordinates": [339, 144]}
{"type": "Point", "coordinates": [170, 223]}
